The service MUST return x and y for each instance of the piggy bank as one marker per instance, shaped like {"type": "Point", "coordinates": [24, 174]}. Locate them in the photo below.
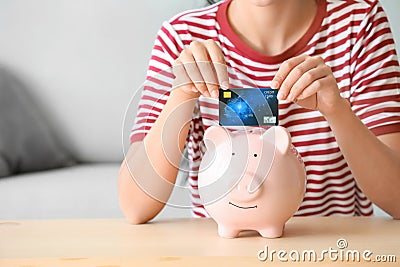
{"type": "Point", "coordinates": [251, 180]}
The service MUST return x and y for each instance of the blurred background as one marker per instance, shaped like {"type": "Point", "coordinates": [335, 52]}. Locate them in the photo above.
{"type": "Point", "coordinates": [74, 66]}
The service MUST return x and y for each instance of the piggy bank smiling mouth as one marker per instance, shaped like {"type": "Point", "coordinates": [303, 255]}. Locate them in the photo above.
{"type": "Point", "coordinates": [240, 207]}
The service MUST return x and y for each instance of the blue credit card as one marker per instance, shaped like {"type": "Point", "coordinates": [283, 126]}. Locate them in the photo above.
{"type": "Point", "coordinates": [248, 107]}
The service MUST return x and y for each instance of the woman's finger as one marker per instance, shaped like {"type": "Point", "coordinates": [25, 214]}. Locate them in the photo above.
{"type": "Point", "coordinates": [181, 77]}
{"type": "Point", "coordinates": [283, 72]}
{"type": "Point", "coordinates": [203, 63]}
{"type": "Point", "coordinates": [295, 75]}
{"type": "Point", "coordinates": [189, 62]}
{"type": "Point", "coordinates": [219, 64]}
{"type": "Point", "coordinates": [305, 80]}
{"type": "Point", "coordinates": [313, 88]}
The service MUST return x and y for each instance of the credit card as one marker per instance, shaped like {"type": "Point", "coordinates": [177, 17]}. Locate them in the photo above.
{"type": "Point", "coordinates": [248, 107]}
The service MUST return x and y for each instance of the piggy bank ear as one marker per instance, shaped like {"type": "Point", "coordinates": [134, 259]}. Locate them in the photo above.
{"type": "Point", "coordinates": [280, 137]}
{"type": "Point", "coordinates": [215, 135]}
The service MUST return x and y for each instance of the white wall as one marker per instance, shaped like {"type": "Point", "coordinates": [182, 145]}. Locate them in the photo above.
{"type": "Point", "coordinates": [392, 8]}
{"type": "Point", "coordinates": [83, 59]}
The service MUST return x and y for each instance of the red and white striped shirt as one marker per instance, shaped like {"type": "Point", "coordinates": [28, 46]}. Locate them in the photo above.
{"type": "Point", "coordinates": [354, 39]}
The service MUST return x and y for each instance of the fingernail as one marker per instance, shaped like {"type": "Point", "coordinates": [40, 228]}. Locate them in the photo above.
{"type": "Point", "coordinates": [225, 85]}
{"type": "Point", "coordinates": [280, 95]}
{"type": "Point", "coordinates": [274, 85]}
{"type": "Point", "coordinates": [214, 93]}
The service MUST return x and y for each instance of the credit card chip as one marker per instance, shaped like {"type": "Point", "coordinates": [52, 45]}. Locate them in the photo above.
{"type": "Point", "coordinates": [227, 94]}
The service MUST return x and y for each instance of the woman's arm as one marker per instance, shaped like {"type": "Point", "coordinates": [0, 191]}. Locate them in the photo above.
{"type": "Point", "coordinates": [147, 175]}
{"type": "Point", "coordinates": [374, 76]}
{"type": "Point", "coordinates": [375, 163]}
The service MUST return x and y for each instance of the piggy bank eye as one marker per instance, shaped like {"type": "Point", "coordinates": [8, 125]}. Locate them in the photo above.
{"type": "Point", "coordinates": [233, 153]}
{"type": "Point", "coordinates": [255, 155]}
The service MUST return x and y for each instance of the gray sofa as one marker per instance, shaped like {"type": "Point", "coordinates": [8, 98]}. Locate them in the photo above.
{"type": "Point", "coordinates": [82, 61]}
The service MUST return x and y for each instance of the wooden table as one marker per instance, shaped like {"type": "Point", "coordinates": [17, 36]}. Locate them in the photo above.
{"type": "Point", "coordinates": [187, 242]}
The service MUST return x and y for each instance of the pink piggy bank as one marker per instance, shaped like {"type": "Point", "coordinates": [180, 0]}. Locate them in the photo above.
{"type": "Point", "coordinates": [251, 180]}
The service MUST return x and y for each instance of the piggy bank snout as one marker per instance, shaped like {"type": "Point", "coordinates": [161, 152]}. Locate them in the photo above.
{"type": "Point", "coordinates": [244, 190]}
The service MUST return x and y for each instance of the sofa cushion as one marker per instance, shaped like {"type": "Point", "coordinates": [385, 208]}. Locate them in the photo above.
{"type": "Point", "coordinates": [26, 142]}
{"type": "Point", "coordinates": [80, 191]}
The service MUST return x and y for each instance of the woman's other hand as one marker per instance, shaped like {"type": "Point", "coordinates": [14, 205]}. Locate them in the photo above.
{"type": "Point", "coordinates": [309, 82]}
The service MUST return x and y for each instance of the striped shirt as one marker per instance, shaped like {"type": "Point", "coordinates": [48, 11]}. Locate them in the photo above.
{"type": "Point", "coordinates": [354, 39]}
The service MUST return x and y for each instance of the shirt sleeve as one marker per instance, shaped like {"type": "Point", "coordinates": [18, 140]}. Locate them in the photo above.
{"type": "Point", "coordinates": [375, 74]}
{"type": "Point", "coordinates": [158, 83]}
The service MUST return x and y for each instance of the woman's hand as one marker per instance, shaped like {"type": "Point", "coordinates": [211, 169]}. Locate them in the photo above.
{"type": "Point", "coordinates": [309, 82]}
{"type": "Point", "coordinates": [200, 69]}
